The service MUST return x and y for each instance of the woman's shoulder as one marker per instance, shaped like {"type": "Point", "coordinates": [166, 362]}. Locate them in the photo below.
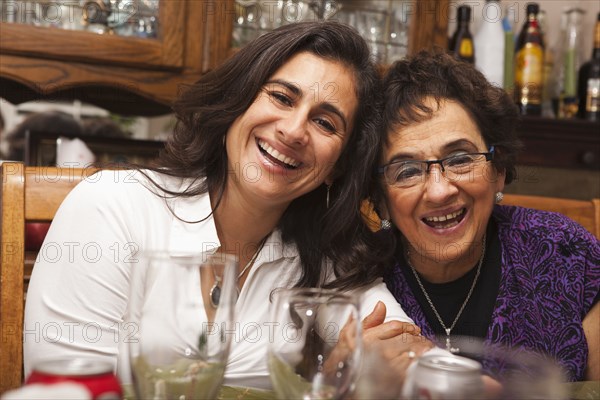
{"type": "Point", "coordinates": [124, 190]}
{"type": "Point", "coordinates": [107, 183]}
{"type": "Point", "coordinates": [530, 228]}
{"type": "Point", "coordinates": [524, 219]}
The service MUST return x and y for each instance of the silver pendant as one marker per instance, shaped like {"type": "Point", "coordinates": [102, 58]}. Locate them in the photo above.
{"type": "Point", "coordinates": [215, 295]}
{"type": "Point", "coordinates": [449, 347]}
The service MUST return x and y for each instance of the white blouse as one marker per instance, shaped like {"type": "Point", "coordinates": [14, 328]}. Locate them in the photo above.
{"type": "Point", "coordinates": [79, 289]}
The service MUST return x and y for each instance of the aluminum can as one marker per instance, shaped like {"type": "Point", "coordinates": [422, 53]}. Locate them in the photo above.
{"type": "Point", "coordinates": [97, 376]}
{"type": "Point", "coordinates": [438, 377]}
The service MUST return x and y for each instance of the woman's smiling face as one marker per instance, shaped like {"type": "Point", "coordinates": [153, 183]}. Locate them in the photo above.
{"type": "Point", "coordinates": [289, 139]}
{"type": "Point", "coordinates": [441, 218]}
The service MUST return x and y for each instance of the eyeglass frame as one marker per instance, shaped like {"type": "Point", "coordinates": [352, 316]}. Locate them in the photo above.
{"type": "Point", "coordinates": [489, 156]}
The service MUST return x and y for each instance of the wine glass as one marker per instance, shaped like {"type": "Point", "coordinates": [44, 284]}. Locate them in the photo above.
{"type": "Point", "coordinates": [316, 346]}
{"type": "Point", "coordinates": [179, 308]}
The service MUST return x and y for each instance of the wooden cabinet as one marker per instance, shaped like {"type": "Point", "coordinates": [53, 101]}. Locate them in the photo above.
{"type": "Point", "coordinates": [427, 20]}
{"type": "Point", "coordinates": [429, 25]}
{"type": "Point", "coordinates": [143, 76]}
{"type": "Point", "coordinates": [123, 74]}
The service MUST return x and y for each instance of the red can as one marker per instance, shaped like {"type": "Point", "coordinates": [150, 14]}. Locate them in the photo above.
{"type": "Point", "coordinates": [97, 376]}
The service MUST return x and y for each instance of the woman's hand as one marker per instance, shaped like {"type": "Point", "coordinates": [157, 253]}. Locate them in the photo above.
{"type": "Point", "coordinates": [397, 344]}
{"type": "Point", "coordinates": [389, 350]}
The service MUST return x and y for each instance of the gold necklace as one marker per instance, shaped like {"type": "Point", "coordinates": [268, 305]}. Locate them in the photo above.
{"type": "Point", "coordinates": [462, 307]}
{"type": "Point", "coordinates": [215, 291]}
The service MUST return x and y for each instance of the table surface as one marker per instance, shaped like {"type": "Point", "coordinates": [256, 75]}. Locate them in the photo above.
{"type": "Point", "coordinates": [584, 390]}
{"type": "Point", "coordinates": [588, 390]}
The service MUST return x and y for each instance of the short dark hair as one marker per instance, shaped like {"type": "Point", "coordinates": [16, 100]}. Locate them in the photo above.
{"type": "Point", "coordinates": [437, 75]}
{"type": "Point", "coordinates": [206, 110]}
{"type": "Point", "coordinates": [55, 122]}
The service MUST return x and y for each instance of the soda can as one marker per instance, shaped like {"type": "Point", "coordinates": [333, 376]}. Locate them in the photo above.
{"type": "Point", "coordinates": [96, 375]}
{"type": "Point", "coordinates": [442, 377]}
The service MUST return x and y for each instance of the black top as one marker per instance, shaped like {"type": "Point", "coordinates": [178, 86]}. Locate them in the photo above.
{"type": "Point", "coordinates": [449, 297]}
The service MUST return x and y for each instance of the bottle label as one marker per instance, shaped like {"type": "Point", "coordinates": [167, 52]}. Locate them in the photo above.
{"type": "Point", "coordinates": [592, 103]}
{"type": "Point", "coordinates": [465, 49]}
{"type": "Point", "coordinates": [529, 74]}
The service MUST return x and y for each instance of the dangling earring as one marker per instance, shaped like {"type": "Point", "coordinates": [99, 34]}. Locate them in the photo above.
{"type": "Point", "coordinates": [327, 199]}
{"type": "Point", "coordinates": [499, 197]}
{"type": "Point", "coordinates": [386, 224]}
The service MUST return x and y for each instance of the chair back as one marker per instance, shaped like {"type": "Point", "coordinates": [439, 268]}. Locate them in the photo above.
{"type": "Point", "coordinates": [27, 194]}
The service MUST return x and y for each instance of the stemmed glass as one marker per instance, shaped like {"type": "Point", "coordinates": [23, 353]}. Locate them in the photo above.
{"type": "Point", "coordinates": [316, 346]}
{"type": "Point", "coordinates": [179, 308]}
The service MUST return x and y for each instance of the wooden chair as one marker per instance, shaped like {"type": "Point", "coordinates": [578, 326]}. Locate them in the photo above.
{"type": "Point", "coordinates": [586, 213]}
{"type": "Point", "coordinates": [27, 194]}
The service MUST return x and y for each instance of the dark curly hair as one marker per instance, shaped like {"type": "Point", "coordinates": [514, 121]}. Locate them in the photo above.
{"type": "Point", "coordinates": [206, 110]}
{"type": "Point", "coordinates": [438, 75]}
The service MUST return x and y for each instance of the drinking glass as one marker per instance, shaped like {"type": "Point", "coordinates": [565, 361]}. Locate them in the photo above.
{"type": "Point", "coordinates": [518, 373]}
{"type": "Point", "coordinates": [507, 373]}
{"type": "Point", "coordinates": [179, 307]}
{"type": "Point", "coordinates": [316, 344]}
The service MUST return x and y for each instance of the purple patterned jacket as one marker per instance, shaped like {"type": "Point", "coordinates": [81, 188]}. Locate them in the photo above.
{"type": "Point", "coordinates": [550, 279]}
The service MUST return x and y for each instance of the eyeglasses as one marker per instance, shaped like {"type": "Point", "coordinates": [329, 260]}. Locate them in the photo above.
{"type": "Point", "coordinates": [405, 174]}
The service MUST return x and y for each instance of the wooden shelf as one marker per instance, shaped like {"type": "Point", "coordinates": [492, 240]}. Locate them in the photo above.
{"type": "Point", "coordinates": [40, 149]}
{"type": "Point", "coordinates": [560, 143]}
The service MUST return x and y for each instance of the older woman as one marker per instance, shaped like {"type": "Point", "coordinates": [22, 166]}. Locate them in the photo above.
{"type": "Point", "coordinates": [465, 265]}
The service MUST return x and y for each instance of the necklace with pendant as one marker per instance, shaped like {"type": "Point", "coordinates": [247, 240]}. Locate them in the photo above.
{"type": "Point", "coordinates": [215, 291]}
{"type": "Point", "coordinates": [448, 330]}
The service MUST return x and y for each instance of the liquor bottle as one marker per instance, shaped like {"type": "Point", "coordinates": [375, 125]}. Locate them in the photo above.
{"type": "Point", "coordinates": [461, 43]}
{"type": "Point", "coordinates": [589, 82]}
{"type": "Point", "coordinates": [489, 44]}
{"type": "Point", "coordinates": [509, 49]}
{"type": "Point", "coordinates": [551, 82]}
{"type": "Point", "coordinates": [529, 64]}
{"type": "Point", "coordinates": [567, 63]}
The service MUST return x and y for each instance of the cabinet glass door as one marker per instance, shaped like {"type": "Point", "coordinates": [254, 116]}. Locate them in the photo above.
{"type": "Point", "coordinates": [383, 23]}
{"type": "Point", "coordinates": [138, 33]}
{"type": "Point", "coordinates": [132, 18]}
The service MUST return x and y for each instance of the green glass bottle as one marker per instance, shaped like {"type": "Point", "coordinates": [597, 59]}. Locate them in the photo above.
{"type": "Point", "coordinates": [509, 49]}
